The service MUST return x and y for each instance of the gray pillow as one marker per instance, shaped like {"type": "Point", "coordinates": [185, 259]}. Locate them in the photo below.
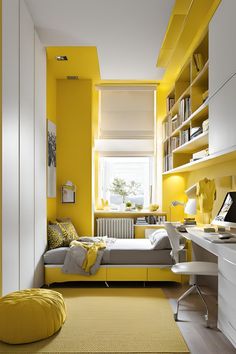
{"type": "Point", "coordinates": [160, 240]}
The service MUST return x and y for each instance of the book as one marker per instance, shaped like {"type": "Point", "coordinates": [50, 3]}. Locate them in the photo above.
{"type": "Point", "coordinates": [200, 154]}
{"type": "Point", "coordinates": [184, 109]}
{"type": "Point", "coordinates": [194, 132]}
{"type": "Point", "coordinates": [205, 125]}
{"type": "Point", "coordinates": [205, 95]}
{"type": "Point", "coordinates": [170, 101]}
{"type": "Point", "coordinates": [198, 61]}
{"type": "Point", "coordinates": [174, 123]}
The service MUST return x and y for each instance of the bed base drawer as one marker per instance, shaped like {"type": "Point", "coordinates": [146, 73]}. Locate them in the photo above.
{"type": "Point", "coordinates": [126, 274]}
{"type": "Point", "coordinates": [55, 275]}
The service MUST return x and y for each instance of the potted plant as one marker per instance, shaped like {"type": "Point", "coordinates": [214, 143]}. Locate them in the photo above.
{"type": "Point", "coordinates": [120, 187]}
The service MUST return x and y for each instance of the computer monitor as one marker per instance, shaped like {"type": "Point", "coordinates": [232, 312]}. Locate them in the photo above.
{"type": "Point", "coordinates": [227, 213]}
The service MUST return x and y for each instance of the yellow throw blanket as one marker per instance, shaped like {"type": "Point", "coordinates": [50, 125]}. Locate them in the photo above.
{"type": "Point", "coordinates": [92, 251]}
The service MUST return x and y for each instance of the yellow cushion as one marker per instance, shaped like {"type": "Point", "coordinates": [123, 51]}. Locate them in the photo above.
{"type": "Point", "coordinates": [69, 233]}
{"type": "Point", "coordinates": [30, 315]}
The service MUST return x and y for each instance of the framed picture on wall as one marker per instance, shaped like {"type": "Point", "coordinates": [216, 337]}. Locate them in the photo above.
{"type": "Point", "coordinates": [68, 192]}
{"type": "Point", "coordinates": [51, 175]}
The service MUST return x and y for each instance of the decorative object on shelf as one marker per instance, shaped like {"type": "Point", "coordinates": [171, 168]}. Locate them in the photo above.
{"type": "Point", "coordinates": [103, 205]}
{"type": "Point", "coordinates": [51, 175]}
{"type": "Point", "coordinates": [68, 191]}
{"type": "Point", "coordinates": [153, 207]}
{"type": "Point", "coordinates": [139, 207]}
{"type": "Point", "coordinates": [128, 205]}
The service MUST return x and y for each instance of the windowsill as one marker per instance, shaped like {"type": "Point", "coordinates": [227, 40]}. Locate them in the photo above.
{"type": "Point", "coordinates": [130, 212]}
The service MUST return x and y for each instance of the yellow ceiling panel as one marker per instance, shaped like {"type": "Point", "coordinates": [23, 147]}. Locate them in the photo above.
{"type": "Point", "coordinates": [82, 62]}
{"type": "Point", "coordinates": [185, 36]}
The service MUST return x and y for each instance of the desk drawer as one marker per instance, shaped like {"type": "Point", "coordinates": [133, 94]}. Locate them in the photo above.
{"type": "Point", "coordinates": [227, 269]}
{"type": "Point", "coordinates": [226, 321]}
{"type": "Point", "coordinates": [226, 301]}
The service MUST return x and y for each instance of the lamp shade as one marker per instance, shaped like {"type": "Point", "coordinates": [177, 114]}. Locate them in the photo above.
{"type": "Point", "coordinates": [191, 207]}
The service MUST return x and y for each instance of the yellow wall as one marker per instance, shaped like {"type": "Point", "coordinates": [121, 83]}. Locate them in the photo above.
{"type": "Point", "coordinates": [222, 174]}
{"type": "Point", "coordinates": [74, 150]}
{"type": "Point", "coordinates": [51, 115]}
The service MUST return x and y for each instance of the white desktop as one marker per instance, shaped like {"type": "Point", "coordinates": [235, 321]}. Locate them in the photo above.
{"type": "Point", "coordinates": [225, 251]}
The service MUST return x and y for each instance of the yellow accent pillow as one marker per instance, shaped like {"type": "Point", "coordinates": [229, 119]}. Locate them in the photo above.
{"type": "Point", "coordinates": [30, 315]}
{"type": "Point", "coordinates": [55, 236]}
{"type": "Point", "coordinates": [69, 233]}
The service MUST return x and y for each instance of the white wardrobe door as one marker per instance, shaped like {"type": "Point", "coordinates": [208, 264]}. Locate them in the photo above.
{"type": "Point", "coordinates": [222, 118]}
{"type": "Point", "coordinates": [27, 172]}
{"type": "Point", "coordinates": [222, 45]}
{"type": "Point", "coordinates": [40, 161]}
{"type": "Point", "coordinates": [10, 146]}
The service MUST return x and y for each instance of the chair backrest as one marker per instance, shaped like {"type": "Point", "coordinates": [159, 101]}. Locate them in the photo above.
{"type": "Point", "coordinates": [174, 237]}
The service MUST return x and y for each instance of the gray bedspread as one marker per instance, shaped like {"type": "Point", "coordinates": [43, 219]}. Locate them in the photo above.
{"type": "Point", "coordinates": [75, 257]}
{"type": "Point", "coordinates": [117, 252]}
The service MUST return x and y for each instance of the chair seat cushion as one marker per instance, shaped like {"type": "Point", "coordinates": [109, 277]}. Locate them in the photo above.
{"type": "Point", "coordinates": [30, 315]}
{"type": "Point", "coordinates": [197, 268]}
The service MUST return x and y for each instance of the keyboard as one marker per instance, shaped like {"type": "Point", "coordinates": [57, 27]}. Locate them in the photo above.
{"type": "Point", "coordinates": [215, 238]}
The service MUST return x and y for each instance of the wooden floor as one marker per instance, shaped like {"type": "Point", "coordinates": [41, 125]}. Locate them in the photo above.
{"type": "Point", "coordinates": [200, 340]}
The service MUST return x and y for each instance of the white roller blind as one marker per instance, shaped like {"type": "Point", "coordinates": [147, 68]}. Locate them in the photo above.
{"type": "Point", "coordinates": [126, 114]}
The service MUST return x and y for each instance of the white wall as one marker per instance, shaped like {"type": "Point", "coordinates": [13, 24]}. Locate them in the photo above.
{"type": "Point", "coordinates": [24, 156]}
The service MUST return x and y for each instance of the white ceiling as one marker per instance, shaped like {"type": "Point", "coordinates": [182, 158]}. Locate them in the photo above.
{"type": "Point", "coordinates": [127, 33]}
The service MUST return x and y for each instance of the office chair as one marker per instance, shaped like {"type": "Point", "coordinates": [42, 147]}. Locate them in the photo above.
{"type": "Point", "coordinates": [188, 268]}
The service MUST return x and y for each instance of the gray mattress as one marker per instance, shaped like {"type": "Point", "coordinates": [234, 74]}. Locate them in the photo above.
{"type": "Point", "coordinates": [117, 256]}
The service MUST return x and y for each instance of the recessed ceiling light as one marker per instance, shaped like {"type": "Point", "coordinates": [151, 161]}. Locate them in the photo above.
{"type": "Point", "coordinates": [61, 57]}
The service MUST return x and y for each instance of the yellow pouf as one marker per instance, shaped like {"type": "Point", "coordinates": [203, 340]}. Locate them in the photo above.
{"type": "Point", "coordinates": [30, 315]}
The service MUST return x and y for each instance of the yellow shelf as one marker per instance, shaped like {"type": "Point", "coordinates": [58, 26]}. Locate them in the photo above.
{"type": "Point", "coordinates": [196, 143]}
{"type": "Point", "coordinates": [213, 159]}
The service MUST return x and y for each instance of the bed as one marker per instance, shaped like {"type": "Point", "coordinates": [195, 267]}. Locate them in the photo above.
{"type": "Point", "coordinates": [126, 260]}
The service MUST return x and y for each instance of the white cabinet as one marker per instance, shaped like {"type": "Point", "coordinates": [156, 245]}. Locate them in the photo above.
{"type": "Point", "coordinates": [222, 118]}
{"type": "Point", "coordinates": [226, 299]}
{"type": "Point", "coordinates": [10, 146]}
{"type": "Point", "coordinates": [26, 148]}
{"type": "Point", "coordinates": [222, 45]}
{"type": "Point", "coordinates": [23, 150]}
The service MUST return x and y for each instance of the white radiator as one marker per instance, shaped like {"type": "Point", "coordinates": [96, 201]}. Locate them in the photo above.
{"type": "Point", "coordinates": [115, 227]}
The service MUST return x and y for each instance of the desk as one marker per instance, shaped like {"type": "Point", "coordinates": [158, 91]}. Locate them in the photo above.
{"type": "Point", "coordinates": [226, 255]}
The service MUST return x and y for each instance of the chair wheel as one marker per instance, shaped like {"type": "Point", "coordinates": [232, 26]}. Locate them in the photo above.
{"type": "Point", "coordinates": [175, 316]}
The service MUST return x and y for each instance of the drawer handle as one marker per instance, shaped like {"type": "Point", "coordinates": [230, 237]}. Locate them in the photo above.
{"type": "Point", "coordinates": [231, 325]}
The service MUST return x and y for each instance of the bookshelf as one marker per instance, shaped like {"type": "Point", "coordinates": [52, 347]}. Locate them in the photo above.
{"type": "Point", "coordinates": [185, 127]}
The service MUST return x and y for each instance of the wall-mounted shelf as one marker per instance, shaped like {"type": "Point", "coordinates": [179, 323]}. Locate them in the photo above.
{"type": "Point", "coordinates": [195, 144]}
{"type": "Point", "coordinates": [187, 107]}
{"type": "Point", "coordinates": [210, 160]}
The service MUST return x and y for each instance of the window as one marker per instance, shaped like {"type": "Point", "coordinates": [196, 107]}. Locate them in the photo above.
{"type": "Point", "coordinates": [132, 174]}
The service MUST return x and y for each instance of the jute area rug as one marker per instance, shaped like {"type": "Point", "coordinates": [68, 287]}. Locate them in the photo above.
{"type": "Point", "coordinates": [112, 321]}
